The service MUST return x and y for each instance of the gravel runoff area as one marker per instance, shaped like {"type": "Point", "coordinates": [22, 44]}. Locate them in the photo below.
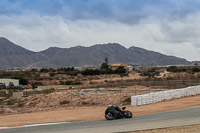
{"type": "Point", "coordinates": [93, 112]}
{"type": "Point", "coordinates": [182, 129]}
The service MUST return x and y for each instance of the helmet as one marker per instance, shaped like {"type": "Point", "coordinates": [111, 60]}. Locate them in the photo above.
{"type": "Point", "coordinates": [109, 105]}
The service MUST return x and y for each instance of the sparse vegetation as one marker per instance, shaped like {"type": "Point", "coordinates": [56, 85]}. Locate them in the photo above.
{"type": "Point", "coordinates": [195, 69]}
{"type": "Point", "coordinates": [11, 102]}
{"type": "Point", "coordinates": [69, 82]}
{"type": "Point", "coordinates": [21, 104]}
{"type": "Point", "coordinates": [127, 100]}
{"type": "Point", "coordinates": [91, 72]}
{"type": "Point", "coordinates": [150, 73]}
{"type": "Point", "coordinates": [85, 103]}
{"type": "Point", "coordinates": [175, 69]}
{"type": "Point", "coordinates": [22, 80]}
{"type": "Point", "coordinates": [105, 69]}
{"type": "Point", "coordinates": [52, 74]}
{"type": "Point", "coordinates": [64, 102]}
{"type": "Point", "coordinates": [45, 70]}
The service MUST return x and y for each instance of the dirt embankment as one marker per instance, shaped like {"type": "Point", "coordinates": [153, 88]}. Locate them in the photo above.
{"type": "Point", "coordinates": [93, 112]}
{"type": "Point", "coordinates": [66, 98]}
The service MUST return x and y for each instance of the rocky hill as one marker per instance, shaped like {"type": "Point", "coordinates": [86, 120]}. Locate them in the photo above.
{"type": "Point", "coordinates": [14, 56]}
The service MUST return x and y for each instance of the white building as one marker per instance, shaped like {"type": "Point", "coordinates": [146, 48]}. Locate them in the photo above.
{"type": "Point", "coordinates": [8, 82]}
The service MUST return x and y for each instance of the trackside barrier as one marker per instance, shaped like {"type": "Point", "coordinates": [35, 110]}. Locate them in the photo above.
{"type": "Point", "coordinates": [164, 95]}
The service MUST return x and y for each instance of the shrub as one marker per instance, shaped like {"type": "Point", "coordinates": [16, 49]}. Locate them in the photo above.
{"type": "Point", "coordinates": [52, 74]}
{"type": "Point", "coordinates": [11, 102]}
{"type": "Point", "coordinates": [172, 69]}
{"type": "Point", "coordinates": [64, 102]}
{"type": "Point", "coordinates": [85, 102]}
{"type": "Point", "coordinates": [34, 70]}
{"type": "Point", "coordinates": [104, 66]}
{"type": "Point", "coordinates": [91, 72]}
{"type": "Point", "coordinates": [36, 84]}
{"type": "Point", "coordinates": [45, 70]}
{"type": "Point", "coordinates": [120, 70]}
{"type": "Point", "coordinates": [150, 73]}
{"type": "Point", "coordinates": [76, 83]}
{"type": "Point", "coordinates": [69, 82]}
{"type": "Point", "coordinates": [195, 69]}
{"type": "Point", "coordinates": [22, 80]}
{"type": "Point", "coordinates": [127, 100]}
{"type": "Point", "coordinates": [21, 104]}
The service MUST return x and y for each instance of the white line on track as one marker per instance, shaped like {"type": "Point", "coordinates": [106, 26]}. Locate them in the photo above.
{"type": "Point", "coordinates": [34, 125]}
{"type": "Point", "coordinates": [43, 124]}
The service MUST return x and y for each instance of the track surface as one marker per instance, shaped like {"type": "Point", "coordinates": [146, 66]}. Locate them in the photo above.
{"type": "Point", "coordinates": [140, 122]}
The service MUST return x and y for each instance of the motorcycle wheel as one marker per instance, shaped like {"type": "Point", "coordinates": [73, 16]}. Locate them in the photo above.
{"type": "Point", "coordinates": [109, 116]}
{"type": "Point", "coordinates": [128, 114]}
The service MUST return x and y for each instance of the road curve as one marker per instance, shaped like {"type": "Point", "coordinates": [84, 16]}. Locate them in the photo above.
{"type": "Point", "coordinates": [140, 122]}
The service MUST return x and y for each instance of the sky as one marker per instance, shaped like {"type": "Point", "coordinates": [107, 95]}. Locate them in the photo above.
{"type": "Point", "coordinates": [170, 27]}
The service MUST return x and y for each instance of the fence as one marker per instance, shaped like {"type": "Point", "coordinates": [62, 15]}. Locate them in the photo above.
{"type": "Point", "coordinates": [100, 96]}
{"type": "Point", "coordinates": [117, 93]}
{"type": "Point", "coordinates": [89, 97]}
{"type": "Point", "coordinates": [164, 95]}
{"type": "Point", "coordinates": [167, 83]}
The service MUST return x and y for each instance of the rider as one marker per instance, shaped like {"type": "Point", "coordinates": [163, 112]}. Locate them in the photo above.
{"type": "Point", "coordinates": [112, 108]}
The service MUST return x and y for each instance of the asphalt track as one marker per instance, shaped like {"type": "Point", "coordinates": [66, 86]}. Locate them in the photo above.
{"type": "Point", "coordinates": [140, 122]}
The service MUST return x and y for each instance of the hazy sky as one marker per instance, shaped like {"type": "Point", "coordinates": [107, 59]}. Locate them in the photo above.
{"type": "Point", "coordinates": [168, 26]}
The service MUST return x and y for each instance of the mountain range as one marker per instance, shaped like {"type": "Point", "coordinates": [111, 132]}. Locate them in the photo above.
{"type": "Point", "coordinates": [14, 56]}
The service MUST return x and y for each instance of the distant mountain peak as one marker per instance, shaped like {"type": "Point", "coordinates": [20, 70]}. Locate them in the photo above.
{"type": "Point", "coordinates": [12, 55]}
{"type": "Point", "coordinates": [7, 48]}
{"type": "Point", "coordinates": [3, 38]}
{"type": "Point", "coordinates": [54, 48]}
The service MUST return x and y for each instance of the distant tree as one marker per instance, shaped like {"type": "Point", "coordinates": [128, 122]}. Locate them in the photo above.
{"type": "Point", "coordinates": [104, 66]}
{"type": "Point", "coordinates": [44, 70]}
{"type": "Point", "coordinates": [91, 72]}
{"type": "Point", "coordinates": [52, 70]}
{"type": "Point", "coordinates": [52, 74]}
{"type": "Point", "coordinates": [106, 60]}
{"type": "Point", "coordinates": [150, 73]}
{"type": "Point", "coordinates": [120, 70]}
{"type": "Point", "coordinates": [172, 69]}
{"type": "Point", "coordinates": [107, 71]}
{"type": "Point", "coordinates": [69, 82]}
{"type": "Point", "coordinates": [36, 84]}
{"type": "Point", "coordinates": [22, 80]}
{"type": "Point", "coordinates": [182, 70]}
{"type": "Point", "coordinates": [195, 69]}
{"type": "Point", "coordinates": [34, 70]}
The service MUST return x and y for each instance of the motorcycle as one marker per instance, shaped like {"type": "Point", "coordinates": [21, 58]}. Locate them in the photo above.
{"type": "Point", "coordinates": [116, 113]}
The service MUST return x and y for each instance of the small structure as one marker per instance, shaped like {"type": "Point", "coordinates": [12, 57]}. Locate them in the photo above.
{"type": "Point", "coordinates": [17, 95]}
{"type": "Point", "coordinates": [129, 68]}
{"type": "Point", "coordinates": [8, 82]}
{"type": "Point", "coordinates": [115, 66]}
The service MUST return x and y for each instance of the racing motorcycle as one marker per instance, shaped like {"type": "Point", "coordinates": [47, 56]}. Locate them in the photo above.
{"type": "Point", "coordinates": [115, 112]}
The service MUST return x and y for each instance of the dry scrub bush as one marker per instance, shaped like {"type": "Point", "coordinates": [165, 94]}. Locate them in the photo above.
{"type": "Point", "coordinates": [64, 102]}
{"type": "Point", "coordinates": [85, 103]}
{"type": "Point", "coordinates": [127, 100]}
{"type": "Point", "coordinates": [11, 102]}
{"type": "Point", "coordinates": [21, 104]}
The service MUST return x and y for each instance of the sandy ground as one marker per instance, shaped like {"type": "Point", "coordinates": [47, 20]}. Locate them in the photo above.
{"type": "Point", "coordinates": [93, 112]}
{"type": "Point", "coordinates": [184, 129]}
